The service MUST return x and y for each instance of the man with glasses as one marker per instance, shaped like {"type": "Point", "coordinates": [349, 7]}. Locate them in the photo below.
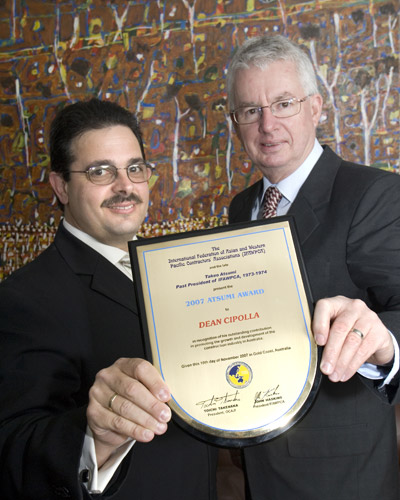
{"type": "Point", "coordinates": [81, 413]}
{"type": "Point", "coordinates": [348, 222]}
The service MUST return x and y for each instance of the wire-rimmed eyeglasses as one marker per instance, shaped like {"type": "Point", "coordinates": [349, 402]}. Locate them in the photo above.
{"type": "Point", "coordinates": [106, 174]}
{"type": "Point", "coordinates": [284, 108]}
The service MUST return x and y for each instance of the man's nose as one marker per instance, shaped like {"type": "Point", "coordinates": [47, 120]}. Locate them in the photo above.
{"type": "Point", "coordinates": [267, 120]}
{"type": "Point", "coordinates": [122, 182]}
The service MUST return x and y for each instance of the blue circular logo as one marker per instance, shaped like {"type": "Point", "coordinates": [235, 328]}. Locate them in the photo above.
{"type": "Point", "coordinates": [239, 374]}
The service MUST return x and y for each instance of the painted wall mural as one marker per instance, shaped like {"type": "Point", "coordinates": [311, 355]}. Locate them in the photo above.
{"type": "Point", "coordinates": [167, 60]}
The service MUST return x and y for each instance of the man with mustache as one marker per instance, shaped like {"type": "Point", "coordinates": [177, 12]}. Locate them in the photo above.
{"type": "Point", "coordinates": [348, 221]}
{"type": "Point", "coordinates": [81, 412]}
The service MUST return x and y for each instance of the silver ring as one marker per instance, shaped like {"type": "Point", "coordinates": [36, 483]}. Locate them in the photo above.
{"type": "Point", "coordinates": [358, 332]}
{"type": "Point", "coordinates": [111, 401]}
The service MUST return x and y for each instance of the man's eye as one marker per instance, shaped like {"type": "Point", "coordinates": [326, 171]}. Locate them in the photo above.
{"type": "Point", "coordinates": [284, 104]}
{"type": "Point", "coordinates": [136, 168]}
{"type": "Point", "coordinates": [99, 171]}
{"type": "Point", "coordinates": [250, 111]}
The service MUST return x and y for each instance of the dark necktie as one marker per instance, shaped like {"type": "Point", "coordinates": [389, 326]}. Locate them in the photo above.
{"type": "Point", "coordinates": [271, 200]}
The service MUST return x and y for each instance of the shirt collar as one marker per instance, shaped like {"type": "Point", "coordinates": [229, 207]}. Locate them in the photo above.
{"type": "Point", "coordinates": [113, 254]}
{"type": "Point", "coordinates": [290, 186]}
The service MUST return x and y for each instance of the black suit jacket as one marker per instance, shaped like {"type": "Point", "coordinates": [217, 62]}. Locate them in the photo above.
{"type": "Point", "coordinates": [348, 222]}
{"type": "Point", "coordinates": [65, 316]}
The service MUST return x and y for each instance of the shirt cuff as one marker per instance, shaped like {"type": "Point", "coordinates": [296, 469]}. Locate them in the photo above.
{"type": "Point", "coordinates": [96, 480]}
{"type": "Point", "coordinates": [384, 373]}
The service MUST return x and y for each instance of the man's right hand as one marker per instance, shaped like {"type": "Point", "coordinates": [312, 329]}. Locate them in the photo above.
{"type": "Point", "coordinates": [138, 397]}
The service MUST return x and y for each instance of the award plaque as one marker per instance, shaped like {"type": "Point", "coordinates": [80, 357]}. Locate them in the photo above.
{"type": "Point", "coordinates": [226, 319]}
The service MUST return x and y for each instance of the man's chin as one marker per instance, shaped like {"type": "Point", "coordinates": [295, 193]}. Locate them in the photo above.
{"type": "Point", "coordinates": [123, 232]}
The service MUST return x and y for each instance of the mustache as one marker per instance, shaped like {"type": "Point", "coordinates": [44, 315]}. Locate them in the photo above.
{"type": "Point", "coordinates": [118, 198]}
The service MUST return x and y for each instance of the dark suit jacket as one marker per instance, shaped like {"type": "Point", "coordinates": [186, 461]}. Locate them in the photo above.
{"type": "Point", "coordinates": [63, 318]}
{"type": "Point", "coordinates": [348, 222]}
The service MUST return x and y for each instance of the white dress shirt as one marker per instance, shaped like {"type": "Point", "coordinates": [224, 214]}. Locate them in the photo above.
{"type": "Point", "coordinates": [290, 186]}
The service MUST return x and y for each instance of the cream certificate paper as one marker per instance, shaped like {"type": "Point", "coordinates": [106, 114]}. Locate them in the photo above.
{"type": "Point", "coordinates": [226, 319]}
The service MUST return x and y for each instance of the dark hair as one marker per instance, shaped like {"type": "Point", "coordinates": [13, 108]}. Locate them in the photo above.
{"type": "Point", "coordinates": [76, 119]}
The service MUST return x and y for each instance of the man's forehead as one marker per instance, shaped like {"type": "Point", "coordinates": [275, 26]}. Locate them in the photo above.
{"type": "Point", "coordinates": [104, 143]}
{"type": "Point", "coordinates": [280, 78]}
{"type": "Point", "coordinates": [104, 131]}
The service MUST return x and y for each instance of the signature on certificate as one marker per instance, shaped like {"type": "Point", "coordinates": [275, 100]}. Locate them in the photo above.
{"type": "Point", "coordinates": [218, 400]}
{"type": "Point", "coordinates": [263, 396]}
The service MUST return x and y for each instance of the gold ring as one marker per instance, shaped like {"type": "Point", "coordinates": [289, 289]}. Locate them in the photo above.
{"type": "Point", "coordinates": [111, 401]}
{"type": "Point", "coordinates": [358, 332]}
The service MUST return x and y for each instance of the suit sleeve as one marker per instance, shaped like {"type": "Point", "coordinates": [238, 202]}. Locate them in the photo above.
{"type": "Point", "coordinates": [374, 254]}
{"type": "Point", "coordinates": [44, 376]}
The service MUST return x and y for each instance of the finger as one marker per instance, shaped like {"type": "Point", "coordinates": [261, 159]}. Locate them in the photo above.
{"type": "Point", "coordinates": [146, 373]}
{"type": "Point", "coordinates": [333, 321]}
{"type": "Point", "coordinates": [337, 324]}
{"type": "Point", "coordinates": [119, 378]}
{"type": "Point", "coordinates": [113, 429]}
{"type": "Point", "coordinates": [140, 418]}
{"type": "Point", "coordinates": [375, 346]}
{"type": "Point", "coordinates": [333, 315]}
{"type": "Point", "coordinates": [341, 347]}
{"type": "Point", "coordinates": [354, 351]}
{"type": "Point", "coordinates": [321, 322]}
{"type": "Point", "coordinates": [136, 391]}
{"type": "Point", "coordinates": [132, 400]}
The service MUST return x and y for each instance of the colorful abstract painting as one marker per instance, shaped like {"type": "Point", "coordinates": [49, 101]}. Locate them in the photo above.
{"type": "Point", "coordinates": [167, 60]}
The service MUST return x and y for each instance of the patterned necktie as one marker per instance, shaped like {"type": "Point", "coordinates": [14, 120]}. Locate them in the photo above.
{"type": "Point", "coordinates": [272, 198]}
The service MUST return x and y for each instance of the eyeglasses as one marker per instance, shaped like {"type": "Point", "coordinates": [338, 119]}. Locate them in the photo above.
{"type": "Point", "coordinates": [106, 174]}
{"type": "Point", "coordinates": [280, 109]}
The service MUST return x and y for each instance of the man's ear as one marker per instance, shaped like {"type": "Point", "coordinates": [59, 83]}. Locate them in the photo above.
{"type": "Point", "coordinates": [236, 129]}
{"type": "Point", "coordinates": [60, 187]}
{"type": "Point", "coordinates": [316, 108]}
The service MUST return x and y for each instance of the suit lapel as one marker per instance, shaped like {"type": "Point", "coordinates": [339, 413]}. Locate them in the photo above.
{"type": "Point", "coordinates": [312, 201]}
{"type": "Point", "coordinates": [309, 207]}
{"type": "Point", "coordinates": [105, 277]}
{"type": "Point", "coordinates": [241, 211]}
{"type": "Point", "coordinates": [112, 283]}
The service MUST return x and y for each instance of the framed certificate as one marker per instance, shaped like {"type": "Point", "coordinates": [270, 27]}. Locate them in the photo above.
{"type": "Point", "coordinates": [226, 319]}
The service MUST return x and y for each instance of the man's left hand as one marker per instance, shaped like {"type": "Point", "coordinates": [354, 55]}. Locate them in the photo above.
{"type": "Point", "coordinates": [352, 335]}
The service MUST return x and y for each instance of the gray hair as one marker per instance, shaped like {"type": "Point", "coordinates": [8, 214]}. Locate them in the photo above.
{"type": "Point", "coordinates": [264, 50]}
